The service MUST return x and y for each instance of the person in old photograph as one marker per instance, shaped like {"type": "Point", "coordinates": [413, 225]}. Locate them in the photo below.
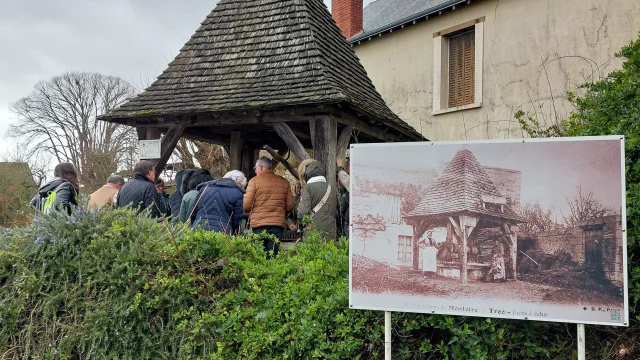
{"type": "Point", "coordinates": [428, 252]}
{"type": "Point", "coordinates": [497, 271]}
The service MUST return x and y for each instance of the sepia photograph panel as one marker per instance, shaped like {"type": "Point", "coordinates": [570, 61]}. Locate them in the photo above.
{"type": "Point", "coordinates": [509, 229]}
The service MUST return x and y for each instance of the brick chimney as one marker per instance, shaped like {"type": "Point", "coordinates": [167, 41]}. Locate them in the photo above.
{"type": "Point", "coordinates": [348, 16]}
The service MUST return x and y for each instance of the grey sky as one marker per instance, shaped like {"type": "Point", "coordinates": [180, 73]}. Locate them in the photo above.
{"type": "Point", "coordinates": [132, 39]}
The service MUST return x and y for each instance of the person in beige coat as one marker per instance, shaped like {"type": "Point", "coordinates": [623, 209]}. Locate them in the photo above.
{"type": "Point", "coordinates": [105, 196]}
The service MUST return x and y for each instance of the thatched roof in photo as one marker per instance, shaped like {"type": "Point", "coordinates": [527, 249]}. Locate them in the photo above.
{"type": "Point", "coordinates": [460, 189]}
{"type": "Point", "coordinates": [261, 55]}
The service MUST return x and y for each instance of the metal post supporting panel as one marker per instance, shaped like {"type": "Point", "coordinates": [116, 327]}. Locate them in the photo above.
{"type": "Point", "coordinates": [387, 335]}
{"type": "Point", "coordinates": [581, 350]}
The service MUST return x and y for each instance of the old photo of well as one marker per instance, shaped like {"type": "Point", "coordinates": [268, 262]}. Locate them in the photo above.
{"type": "Point", "coordinates": [511, 229]}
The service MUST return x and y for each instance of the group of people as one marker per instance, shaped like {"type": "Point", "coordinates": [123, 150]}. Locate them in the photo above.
{"type": "Point", "coordinates": [266, 204]}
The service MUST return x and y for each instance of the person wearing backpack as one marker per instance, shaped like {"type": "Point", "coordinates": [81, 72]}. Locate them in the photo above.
{"type": "Point", "coordinates": [59, 194]}
{"type": "Point", "coordinates": [318, 199]}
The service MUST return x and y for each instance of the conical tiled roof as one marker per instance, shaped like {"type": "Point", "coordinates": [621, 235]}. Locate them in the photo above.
{"type": "Point", "coordinates": [263, 54]}
{"type": "Point", "coordinates": [460, 188]}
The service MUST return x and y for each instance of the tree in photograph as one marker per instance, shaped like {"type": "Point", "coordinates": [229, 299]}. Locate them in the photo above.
{"type": "Point", "coordinates": [584, 206]}
{"type": "Point", "coordinates": [536, 218]}
{"type": "Point", "coordinates": [59, 118]}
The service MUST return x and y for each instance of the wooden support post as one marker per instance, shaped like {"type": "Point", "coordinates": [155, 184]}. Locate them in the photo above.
{"type": "Point", "coordinates": [343, 141]}
{"type": "Point", "coordinates": [463, 269]}
{"type": "Point", "coordinates": [249, 158]}
{"type": "Point", "coordinates": [235, 148]}
{"type": "Point", "coordinates": [277, 157]}
{"type": "Point", "coordinates": [512, 244]}
{"type": "Point", "coordinates": [167, 146]}
{"type": "Point", "coordinates": [512, 236]}
{"type": "Point", "coordinates": [286, 134]}
{"type": "Point", "coordinates": [325, 140]}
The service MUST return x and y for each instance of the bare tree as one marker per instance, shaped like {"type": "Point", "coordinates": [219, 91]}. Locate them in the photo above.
{"type": "Point", "coordinates": [201, 154]}
{"type": "Point", "coordinates": [59, 118]}
{"type": "Point", "coordinates": [536, 219]}
{"type": "Point", "coordinates": [584, 206]}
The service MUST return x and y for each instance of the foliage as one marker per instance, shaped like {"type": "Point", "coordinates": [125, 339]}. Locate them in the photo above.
{"type": "Point", "coordinates": [110, 285]}
{"type": "Point", "coordinates": [611, 106]}
{"type": "Point", "coordinates": [536, 219]}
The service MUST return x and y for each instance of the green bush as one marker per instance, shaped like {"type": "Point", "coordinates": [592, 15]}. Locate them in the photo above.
{"type": "Point", "coordinates": [108, 285]}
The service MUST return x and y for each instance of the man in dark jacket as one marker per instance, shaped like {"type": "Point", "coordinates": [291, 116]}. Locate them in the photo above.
{"type": "Point", "coordinates": [318, 200]}
{"type": "Point", "coordinates": [140, 192]}
{"type": "Point", "coordinates": [176, 198]}
{"type": "Point", "coordinates": [220, 205]}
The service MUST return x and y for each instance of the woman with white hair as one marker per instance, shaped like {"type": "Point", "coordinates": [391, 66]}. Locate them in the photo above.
{"type": "Point", "coordinates": [219, 207]}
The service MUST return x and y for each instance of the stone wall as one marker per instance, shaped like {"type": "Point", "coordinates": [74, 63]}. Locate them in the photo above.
{"type": "Point", "coordinates": [573, 241]}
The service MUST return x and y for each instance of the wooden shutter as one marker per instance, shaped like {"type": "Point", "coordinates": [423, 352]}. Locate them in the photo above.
{"type": "Point", "coordinates": [462, 63]}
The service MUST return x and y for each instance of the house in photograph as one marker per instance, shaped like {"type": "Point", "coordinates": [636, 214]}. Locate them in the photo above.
{"type": "Point", "coordinates": [387, 238]}
{"type": "Point", "coordinates": [460, 69]}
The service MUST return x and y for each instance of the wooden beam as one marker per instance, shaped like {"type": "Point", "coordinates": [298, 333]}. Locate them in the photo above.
{"type": "Point", "coordinates": [167, 146]}
{"type": "Point", "coordinates": [325, 142]}
{"type": "Point", "coordinates": [195, 120]}
{"type": "Point", "coordinates": [206, 137]}
{"type": "Point", "coordinates": [277, 157]}
{"type": "Point", "coordinates": [343, 141]}
{"type": "Point", "coordinates": [369, 130]}
{"type": "Point", "coordinates": [513, 250]}
{"type": "Point", "coordinates": [463, 269]}
{"type": "Point", "coordinates": [456, 228]}
{"type": "Point", "coordinates": [288, 136]}
{"type": "Point", "coordinates": [236, 145]}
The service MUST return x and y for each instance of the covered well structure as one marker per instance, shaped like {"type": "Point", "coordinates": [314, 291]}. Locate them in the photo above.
{"type": "Point", "coordinates": [465, 201]}
{"type": "Point", "coordinates": [276, 72]}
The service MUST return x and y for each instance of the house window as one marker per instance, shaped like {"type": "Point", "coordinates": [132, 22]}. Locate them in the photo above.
{"type": "Point", "coordinates": [458, 67]}
{"type": "Point", "coordinates": [405, 249]}
{"type": "Point", "coordinates": [461, 68]}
